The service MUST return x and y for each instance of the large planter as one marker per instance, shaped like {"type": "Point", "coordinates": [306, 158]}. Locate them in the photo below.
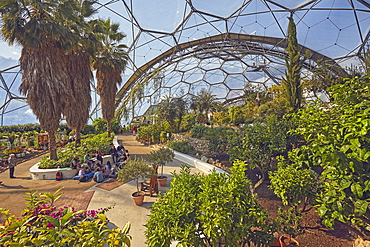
{"type": "Point", "coordinates": [162, 180]}
{"type": "Point", "coordinates": [138, 197]}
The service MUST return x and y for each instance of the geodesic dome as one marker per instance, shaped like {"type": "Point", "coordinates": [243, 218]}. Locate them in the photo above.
{"type": "Point", "coordinates": [179, 47]}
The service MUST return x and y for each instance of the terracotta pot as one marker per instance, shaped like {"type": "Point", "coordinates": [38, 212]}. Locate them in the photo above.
{"type": "Point", "coordinates": [138, 197]}
{"type": "Point", "coordinates": [162, 180]}
{"type": "Point", "coordinates": [286, 241]}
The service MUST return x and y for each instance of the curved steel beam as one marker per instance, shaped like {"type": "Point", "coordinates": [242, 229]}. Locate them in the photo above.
{"type": "Point", "coordinates": [247, 43]}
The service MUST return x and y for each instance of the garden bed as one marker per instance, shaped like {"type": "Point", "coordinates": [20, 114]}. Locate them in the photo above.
{"type": "Point", "coordinates": [68, 173]}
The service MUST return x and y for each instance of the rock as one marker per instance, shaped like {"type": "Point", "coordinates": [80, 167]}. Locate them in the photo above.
{"type": "Point", "coordinates": [204, 158]}
{"type": "Point", "coordinates": [210, 161]}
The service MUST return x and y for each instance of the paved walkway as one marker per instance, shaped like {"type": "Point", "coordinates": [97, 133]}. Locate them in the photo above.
{"type": "Point", "coordinates": [12, 192]}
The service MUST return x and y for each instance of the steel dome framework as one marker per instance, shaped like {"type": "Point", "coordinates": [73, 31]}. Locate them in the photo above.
{"type": "Point", "coordinates": [179, 47]}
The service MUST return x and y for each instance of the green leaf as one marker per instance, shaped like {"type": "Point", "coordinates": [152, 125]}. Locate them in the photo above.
{"type": "Point", "coordinates": [366, 155]}
{"type": "Point", "coordinates": [337, 215]}
{"type": "Point", "coordinates": [52, 220]}
{"type": "Point", "coordinates": [344, 184]}
{"type": "Point", "coordinates": [357, 190]}
{"type": "Point", "coordinates": [344, 148]}
{"type": "Point", "coordinates": [65, 218]}
{"type": "Point", "coordinates": [328, 223]}
{"type": "Point", "coordinates": [322, 210]}
{"type": "Point", "coordinates": [355, 143]}
{"type": "Point", "coordinates": [361, 207]}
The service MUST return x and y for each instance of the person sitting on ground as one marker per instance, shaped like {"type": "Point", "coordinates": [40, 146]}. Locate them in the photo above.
{"type": "Point", "coordinates": [113, 173]}
{"type": "Point", "coordinates": [108, 168]}
{"type": "Point", "coordinates": [127, 155]}
{"type": "Point", "coordinates": [99, 155]}
{"type": "Point", "coordinates": [82, 171]}
{"type": "Point", "coordinates": [88, 160]}
{"type": "Point", "coordinates": [85, 171]}
{"type": "Point", "coordinates": [120, 147]}
{"type": "Point", "coordinates": [95, 166]}
{"type": "Point", "coordinates": [75, 162]}
{"type": "Point", "coordinates": [113, 153]}
{"type": "Point", "coordinates": [122, 158]}
{"type": "Point", "coordinates": [98, 176]}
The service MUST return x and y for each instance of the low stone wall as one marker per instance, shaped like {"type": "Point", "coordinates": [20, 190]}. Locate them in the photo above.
{"type": "Point", "coordinates": [201, 165]}
{"type": "Point", "coordinates": [49, 174]}
{"type": "Point", "coordinates": [201, 146]}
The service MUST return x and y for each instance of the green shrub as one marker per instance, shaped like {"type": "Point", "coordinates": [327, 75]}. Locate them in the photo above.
{"type": "Point", "coordinates": [163, 136]}
{"type": "Point", "coordinates": [198, 131]}
{"type": "Point", "coordinates": [90, 144]}
{"type": "Point", "coordinates": [181, 146]}
{"type": "Point", "coordinates": [216, 208]}
{"type": "Point", "coordinates": [219, 138]}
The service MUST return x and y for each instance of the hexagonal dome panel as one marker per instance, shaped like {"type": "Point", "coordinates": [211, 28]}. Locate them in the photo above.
{"type": "Point", "coordinates": [218, 45]}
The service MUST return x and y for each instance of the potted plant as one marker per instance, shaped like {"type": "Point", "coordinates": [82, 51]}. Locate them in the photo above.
{"type": "Point", "coordinates": [135, 169]}
{"type": "Point", "coordinates": [161, 157]}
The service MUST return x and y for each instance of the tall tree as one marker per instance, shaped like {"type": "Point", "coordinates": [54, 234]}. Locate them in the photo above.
{"type": "Point", "coordinates": [203, 102]}
{"type": "Point", "coordinates": [172, 110]}
{"type": "Point", "coordinates": [79, 69]}
{"type": "Point", "coordinates": [292, 79]}
{"type": "Point", "coordinates": [109, 62]}
{"type": "Point", "coordinates": [77, 110]}
{"type": "Point", "coordinates": [40, 28]}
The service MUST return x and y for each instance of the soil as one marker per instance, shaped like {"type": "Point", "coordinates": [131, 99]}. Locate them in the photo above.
{"type": "Point", "coordinates": [314, 233]}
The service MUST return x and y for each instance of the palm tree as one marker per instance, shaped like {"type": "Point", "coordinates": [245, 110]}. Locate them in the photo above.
{"type": "Point", "coordinates": [77, 110]}
{"type": "Point", "coordinates": [172, 109]}
{"type": "Point", "coordinates": [39, 27]}
{"type": "Point", "coordinates": [109, 62]}
{"type": "Point", "coordinates": [203, 102]}
{"type": "Point", "coordinates": [79, 69]}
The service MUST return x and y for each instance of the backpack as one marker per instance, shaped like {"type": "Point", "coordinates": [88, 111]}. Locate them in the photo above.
{"type": "Point", "coordinates": [59, 176]}
{"type": "Point", "coordinates": [83, 178]}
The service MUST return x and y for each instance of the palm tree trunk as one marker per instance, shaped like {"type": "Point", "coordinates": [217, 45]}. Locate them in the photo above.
{"type": "Point", "coordinates": [78, 137]}
{"type": "Point", "coordinates": [52, 145]}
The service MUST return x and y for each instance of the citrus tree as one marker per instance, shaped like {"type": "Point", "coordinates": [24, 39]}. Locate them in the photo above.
{"type": "Point", "coordinates": [338, 137]}
{"type": "Point", "coordinates": [209, 210]}
{"type": "Point", "coordinates": [262, 142]}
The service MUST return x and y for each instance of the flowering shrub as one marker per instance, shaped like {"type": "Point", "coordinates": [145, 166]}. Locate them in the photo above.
{"type": "Point", "coordinates": [44, 224]}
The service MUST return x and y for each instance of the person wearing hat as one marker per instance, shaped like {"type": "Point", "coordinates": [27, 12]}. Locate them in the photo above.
{"type": "Point", "coordinates": [11, 164]}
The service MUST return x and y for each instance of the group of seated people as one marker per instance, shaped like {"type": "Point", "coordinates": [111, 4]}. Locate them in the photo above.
{"type": "Point", "coordinates": [119, 154]}
{"type": "Point", "coordinates": [95, 168]}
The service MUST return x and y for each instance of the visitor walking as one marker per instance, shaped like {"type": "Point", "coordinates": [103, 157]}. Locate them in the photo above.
{"type": "Point", "coordinates": [11, 164]}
